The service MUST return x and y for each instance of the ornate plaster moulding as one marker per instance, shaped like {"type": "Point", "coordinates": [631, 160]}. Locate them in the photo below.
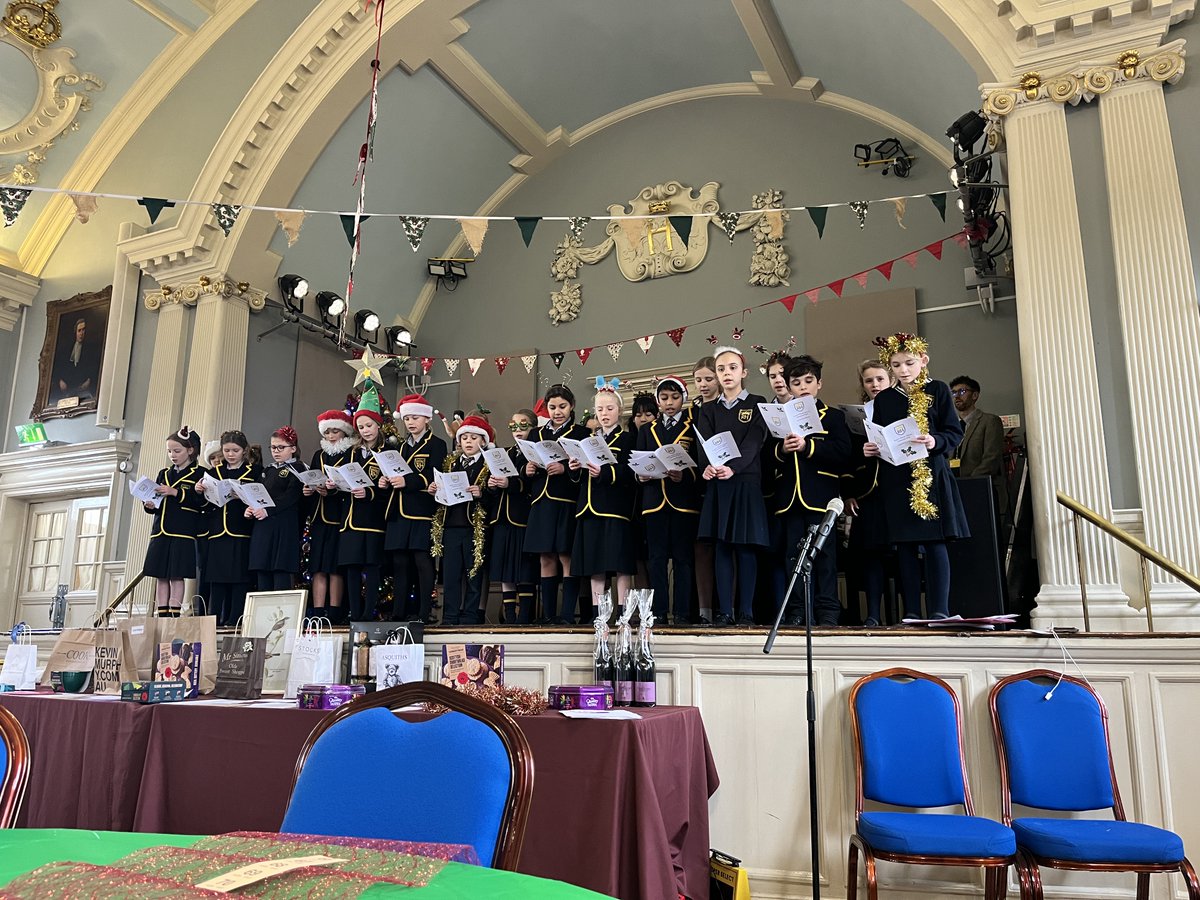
{"type": "Point", "coordinates": [192, 293]}
{"type": "Point", "coordinates": [1086, 80]}
{"type": "Point", "coordinates": [52, 114]}
{"type": "Point", "coordinates": [1042, 23]}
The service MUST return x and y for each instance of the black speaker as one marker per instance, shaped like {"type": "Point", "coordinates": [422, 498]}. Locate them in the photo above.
{"type": "Point", "coordinates": [976, 588]}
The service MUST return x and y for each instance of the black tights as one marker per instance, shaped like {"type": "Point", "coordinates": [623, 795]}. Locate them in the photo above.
{"type": "Point", "coordinates": [226, 602]}
{"type": "Point", "coordinates": [275, 581]}
{"type": "Point", "coordinates": [747, 575]}
{"type": "Point", "coordinates": [937, 579]}
{"type": "Point", "coordinates": [406, 563]}
{"type": "Point", "coordinates": [362, 592]}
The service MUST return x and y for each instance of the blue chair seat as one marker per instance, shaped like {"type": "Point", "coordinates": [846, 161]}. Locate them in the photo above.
{"type": "Point", "coordinates": [1099, 840]}
{"type": "Point", "coordinates": [933, 834]}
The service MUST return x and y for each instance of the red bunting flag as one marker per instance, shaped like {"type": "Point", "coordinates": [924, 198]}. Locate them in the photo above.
{"type": "Point", "coordinates": [583, 355]}
{"type": "Point", "coordinates": [427, 364]}
{"type": "Point", "coordinates": [885, 269]}
{"type": "Point", "coordinates": [861, 278]}
{"type": "Point", "coordinates": [789, 302]}
{"type": "Point", "coordinates": [813, 295]}
{"type": "Point", "coordinates": [911, 259]}
{"type": "Point", "coordinates": [837, 286]}
{"type": "Point", "coordinates": [502, 364]}
{"type": "Point", "coordinates": [676, 335]}
{"type": "Point", "coordinates": [961, 239]}
{"type": "Point", "coordinates": [935, 249]}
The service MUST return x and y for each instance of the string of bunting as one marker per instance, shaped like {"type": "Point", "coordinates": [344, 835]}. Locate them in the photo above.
{"type": "Point", "coordinates": [675, 335]}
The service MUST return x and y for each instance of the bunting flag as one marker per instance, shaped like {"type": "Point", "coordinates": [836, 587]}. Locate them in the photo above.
{"type": "Point", "coordinates": [885, 269]}
{"type": "Point", "coordinates": [154, 206]}
{"type": "Point", "coordinates": [676, 335]}
{"type": "Point", "coordinates": [682, 226]}
{"type": "Point", "coordinates": [837, 286]}
{"type": "Point", "coordinates": [348, 226]}
{"type": "Point", "coordinates": [818, 215]}
{"type": "Point", "coordinates": [85, 207]}
{"type": "Point", "coordinates": [583, 353]}
{"type": "Point", "coordinates": [473, 363]}
{"type": "Point", "coordinates": [227, 215]}
{"type": "Point", "coordinates": [961, 239]}
{"type": "Point", "coordinates": [414, 229]}
{"type": "Point", "coordinates": [900, 203]}
{"type": "Point", "coordinates": [557, 359]}
{"type": "Point", "coordinates": [291, 222]}
{"type": "Point", "coordinates": [502, 364]}
{"type": "Point", "coordinates": [645, 342]}
{"type": "Point", "coordinates": [789, 302]}
{"type": "Point", "coordinates": [576, 224]}
{"type": "Point", "coordinates": [614, 350]}
{"type": "Point", "coordinates": [12, 201]}
{"type": "Point", "coordinates": [935, 249]}
{"type": "Point", "coordinates": [911, 259]}
{"type": "Point", "coordinates": [527, 224]}
{"type": "Point", "coordinates": [427, 364]}
{"type": "Point", "coordinates": [451, 366]}
{"type": "Point", "coordinates": [474, 230]}
{"type": "Point", "coordinates": [774, 220]}
{"type": "Point", "coordinates": [728, 222]}
{"type": "Point", "coordinates": [939, 203]}
{"type": "Point", "coordinates": [633, 229]}
{"type": "Point", "coordinates": [530, 361]}
{"type": "Point", "coordinates": [859, 207]}
{"type": "Point", "coordinates": [861, 278]}
{"type": "Point", "coordinates": [813, 295]}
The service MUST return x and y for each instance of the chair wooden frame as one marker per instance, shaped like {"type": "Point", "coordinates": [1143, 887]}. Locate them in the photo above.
{"type": "Point", "coordinates": [16, 771]}
{"type": "Point", "coordinates": [511, 834]}
{"type": "Point", "coordinates": [995, 867]}
{"type": "Point", "coordinates": [1028, 863]}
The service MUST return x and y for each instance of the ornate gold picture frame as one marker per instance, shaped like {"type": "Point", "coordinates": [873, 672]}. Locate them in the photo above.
{"type": "Point", "coordinates": [69, 368]}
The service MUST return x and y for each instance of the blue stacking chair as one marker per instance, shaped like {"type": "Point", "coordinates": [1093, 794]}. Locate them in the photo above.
{"type": "Point", "coordinates": [908, 752]}
{"type": "Point", "coordinates": [14, 767]}
{"type": "Point", "coordinates": [1052, 738]}
{"type": "Point", "coordinates": [462, 777]}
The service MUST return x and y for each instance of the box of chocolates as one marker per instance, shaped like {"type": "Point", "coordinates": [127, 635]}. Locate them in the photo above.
{"type": "Point", "coordinates": [581, 696]}
{"type": "Point", "coordinates": [327, 696]}
{"type": "Point", "coordinates": [472, 664]}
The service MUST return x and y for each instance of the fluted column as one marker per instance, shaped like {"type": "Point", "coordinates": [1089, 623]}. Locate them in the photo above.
{"type": "Point", "coordinates": [1062, 404]}
{"type": "Point", "coordinates": [1157, 297]}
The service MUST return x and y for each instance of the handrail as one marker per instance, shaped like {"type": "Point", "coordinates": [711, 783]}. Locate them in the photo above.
{"type": "Point", "coordinates": [1144, 550]}
{"type": "Point", "coordinates": [102, 617]}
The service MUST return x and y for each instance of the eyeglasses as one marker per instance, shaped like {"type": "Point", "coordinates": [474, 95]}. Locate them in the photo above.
{"type": "Point", "coordinates": [519, 426]}
{"type": "Point", "coordinates": [275, 447]}
{"type": "Point", "coordinates": [958, 392]}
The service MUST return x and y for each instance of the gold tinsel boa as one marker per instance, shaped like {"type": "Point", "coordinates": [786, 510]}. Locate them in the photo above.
{"type": "Point", "coordinates": [918, 409]}
{"type": "Point", "coordinates": [477, 517]}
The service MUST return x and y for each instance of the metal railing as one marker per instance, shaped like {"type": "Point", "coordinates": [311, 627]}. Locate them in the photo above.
{"type": "Point", "coordinates": [102, 617]}
{"type": "Point", "coordinates": [1145, 552]}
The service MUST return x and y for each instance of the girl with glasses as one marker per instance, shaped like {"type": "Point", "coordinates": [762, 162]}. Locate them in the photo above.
{"type": "Point", "coordinates": [275, 543]}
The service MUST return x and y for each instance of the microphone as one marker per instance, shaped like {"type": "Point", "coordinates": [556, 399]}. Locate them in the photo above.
{"type": "Point", "coordinates": [832, 511]}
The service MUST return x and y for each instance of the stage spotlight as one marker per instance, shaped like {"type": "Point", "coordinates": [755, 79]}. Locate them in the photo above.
{"type": "Point", "coordinates": [293, 289]}
{"type": "Point", "coordinates": [330, 305]}
{"type": "Point", "coordinates": [966, 132]}
{"type": "Point", "coordinates": [365, 320]}
{"type": "Point", "coordinates": [396, 336]}
{"type": "Point", "coordinates": [448, 271]}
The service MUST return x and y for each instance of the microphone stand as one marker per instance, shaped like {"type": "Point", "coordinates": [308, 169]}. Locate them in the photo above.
{"type": "Point", "coordinates": [804, 565]}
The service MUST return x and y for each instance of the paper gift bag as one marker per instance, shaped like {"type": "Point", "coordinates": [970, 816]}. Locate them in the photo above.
{"type": "Point", "coordinates": [398, 661]}
{"type": "Point", "coordinates": [316, 657]}
{"type": "Point", "coordinates": [365, 635]}
{"type": "Point", "coordinates": [106, 672]}
{"type": "Point", "coordinates": [139, 646]}
{"type": "Point", "coordinates": [20, 661]}
{"type": "Point", "coordinates": [74, 651]}
{"type": "Point", "coordinates": [727, 878]}
{"type": "Point", "coordinates": [477, 664]}
{"type": "Point", "coordinates": [240, 667]}
{"type": "Point", "coordinates": [200, 630]}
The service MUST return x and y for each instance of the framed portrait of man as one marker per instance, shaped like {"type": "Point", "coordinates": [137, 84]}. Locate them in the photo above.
{"type": "Point", "coordinates": [69, 368]}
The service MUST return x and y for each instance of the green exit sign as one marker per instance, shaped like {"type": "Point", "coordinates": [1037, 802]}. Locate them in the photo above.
{"type": "Point", "coordinates": [31, 435]}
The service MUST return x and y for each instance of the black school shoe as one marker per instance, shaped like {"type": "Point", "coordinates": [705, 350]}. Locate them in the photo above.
{"type": "Point", "coordinates": [720, 620]}
{"type": "Point", "coordinates": [745, 621]}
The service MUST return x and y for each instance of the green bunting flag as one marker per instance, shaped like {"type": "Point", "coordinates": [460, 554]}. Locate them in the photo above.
{"type": "Point", "coordinates": [682, 226]}
{"type": "Point", "coordinates": [818, 214]}
{"type": "Point", "coordinates": [939, 203]}
{"type": "Point", "coordinates": [348, 225]}
{"type": "Point", "coordinates": [154, 206]}
{"type": "Point", "coordinates": [527, 224]}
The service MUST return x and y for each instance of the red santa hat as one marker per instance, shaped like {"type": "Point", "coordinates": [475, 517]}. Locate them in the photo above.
{"type": "Point", "coordinates": [335, 418]}
{"type": "Point", "coordinates": [414, 405]}
{"type": "Point", "coordinates": [542, 412]}
{"type": "Point", "coordinates": [674, 383]}
{"type": "Point", "coordinates": [476, 425]}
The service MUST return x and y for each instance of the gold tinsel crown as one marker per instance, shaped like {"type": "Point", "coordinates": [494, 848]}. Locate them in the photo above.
{"type": "Point", "coordinates": [900, 342]}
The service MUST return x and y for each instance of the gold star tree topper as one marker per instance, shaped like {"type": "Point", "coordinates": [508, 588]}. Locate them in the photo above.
{"type": "Point", "coordinates": [366, 368]}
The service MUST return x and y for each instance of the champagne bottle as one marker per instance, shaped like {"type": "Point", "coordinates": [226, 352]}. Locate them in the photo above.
{"type": "Point", "coordinates": [623, 680]}
{"type": "Point", "coordinates": [645, 688]}
{"type": "Point", "coordinates": [602, 660]}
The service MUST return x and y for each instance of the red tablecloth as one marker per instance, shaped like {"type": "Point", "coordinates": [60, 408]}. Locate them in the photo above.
{"type": "Point", "coordinates": [620, 807]}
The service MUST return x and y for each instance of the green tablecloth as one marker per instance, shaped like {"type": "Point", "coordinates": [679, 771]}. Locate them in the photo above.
{"type": "Point", "coordinates": [22, 850]}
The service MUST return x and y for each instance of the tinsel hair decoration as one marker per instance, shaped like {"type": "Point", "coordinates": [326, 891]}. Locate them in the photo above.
{"type": "Point", "coordinates": [918, 408]}
{"type": "Point", "coordinates": [900, 342]}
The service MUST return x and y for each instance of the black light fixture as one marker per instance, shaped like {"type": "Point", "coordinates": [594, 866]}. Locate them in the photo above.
{"type": "Point", "coordinates": [888, 153]}
{"type": "Point", "coordinates": [331, 306]}
{"type": "Point", "coordinates": [448, 272]}
{"type": "Point", "coordinates": [366, 320]}
{"type": "Point", "coordinates": [292, 290]}
{"type": "Point", "coordinates": [965, 133]}
{"type": "Point", "coordinates": [396, 336]}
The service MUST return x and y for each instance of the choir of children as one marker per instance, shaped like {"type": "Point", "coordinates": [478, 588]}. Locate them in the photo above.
{"type": "Point", "coordinates": [699, 527]}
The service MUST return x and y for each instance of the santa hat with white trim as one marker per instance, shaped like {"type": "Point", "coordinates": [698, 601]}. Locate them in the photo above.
{"type": "Point", "coordinates": [335, 418]}
{"type": "Point", "coordinates": [414, 405]}
{"type": "Point", "coordinates": [477, 425]}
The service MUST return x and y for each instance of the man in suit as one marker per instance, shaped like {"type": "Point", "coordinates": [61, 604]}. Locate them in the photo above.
{"type": "Point", "coordinates": [77, 367]}
{"type": "Point", "coordinates": [982, 449]}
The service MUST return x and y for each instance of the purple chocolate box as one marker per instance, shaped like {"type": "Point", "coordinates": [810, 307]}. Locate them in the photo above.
{"type": "Point", "coordinates": [327, 696]}
{"type": "Point", "coordinates": [581, 696]}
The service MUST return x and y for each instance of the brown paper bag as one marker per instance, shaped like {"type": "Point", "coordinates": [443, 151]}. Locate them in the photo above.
{"type": "Point", "coordinates": [106, 673]}
{"type": "Point", "coordinates": [74, 651]}
{"type": "Point", "coordinates": [200, 630]}
{"type": "Point", "coordinates": [139, 646]}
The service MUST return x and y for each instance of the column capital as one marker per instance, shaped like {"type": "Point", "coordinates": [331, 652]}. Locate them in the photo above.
{"type": "Point", "coordinates": [191, 293]}
{"type": "Point", "coordinates": [1085, 80]}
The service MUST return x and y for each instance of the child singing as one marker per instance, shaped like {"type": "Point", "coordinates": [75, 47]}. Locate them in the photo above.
{"type": "Point", "coordinates": [171, 555]}
{"type": "Point", "coordinates": [275, 544]}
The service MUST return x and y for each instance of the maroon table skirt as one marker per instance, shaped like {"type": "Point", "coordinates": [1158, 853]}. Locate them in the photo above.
{"type": "Point", "coordinates": [620, 807]}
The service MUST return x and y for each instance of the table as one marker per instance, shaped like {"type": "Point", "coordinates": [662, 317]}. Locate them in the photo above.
{"type": "Point", "coordinates": [619, 807]}
{"type": "Point", "coordinates": [22, 851]}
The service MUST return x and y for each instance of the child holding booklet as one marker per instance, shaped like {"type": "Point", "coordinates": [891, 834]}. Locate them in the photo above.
{"type": "Point", "coordinates": [328, 511]}
{"type": "Point", "coordinates": [553, 494]}
{"type": "Point", "coordinates": [360, 543]}
{"type": "Point", "coordinates": [704, 376]}
{"type": "Point", "coordinates": [227, 561]}
{"type": "Point", "coordinates": [808, 473]}
{"type": "Point", "coordinates": [604, 538]}
{"type": "Point", "coordinates": [410, 509]}
{"type": "Point", "coordinates": [275, 544]}
{"type": "Point", "coordinates": [671, 505]}
{"type": "Point", "coordinates": [508, 563]}
{"type": "Point", "coordinates": [171, 555]}
{"type": "Point", "coordinates": [733, 515]}
{"type": "Point", "coordinates": [920, 501]}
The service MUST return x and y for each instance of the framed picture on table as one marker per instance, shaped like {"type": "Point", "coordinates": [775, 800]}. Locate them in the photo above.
{"type": "Point", "coordinates": [69, 367]}
{"type": "Point", "coordinates": [276, 616]}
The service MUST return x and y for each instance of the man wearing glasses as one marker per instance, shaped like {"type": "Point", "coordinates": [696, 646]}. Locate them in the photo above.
{"type": "Point", "coordinates": [982, 449]}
